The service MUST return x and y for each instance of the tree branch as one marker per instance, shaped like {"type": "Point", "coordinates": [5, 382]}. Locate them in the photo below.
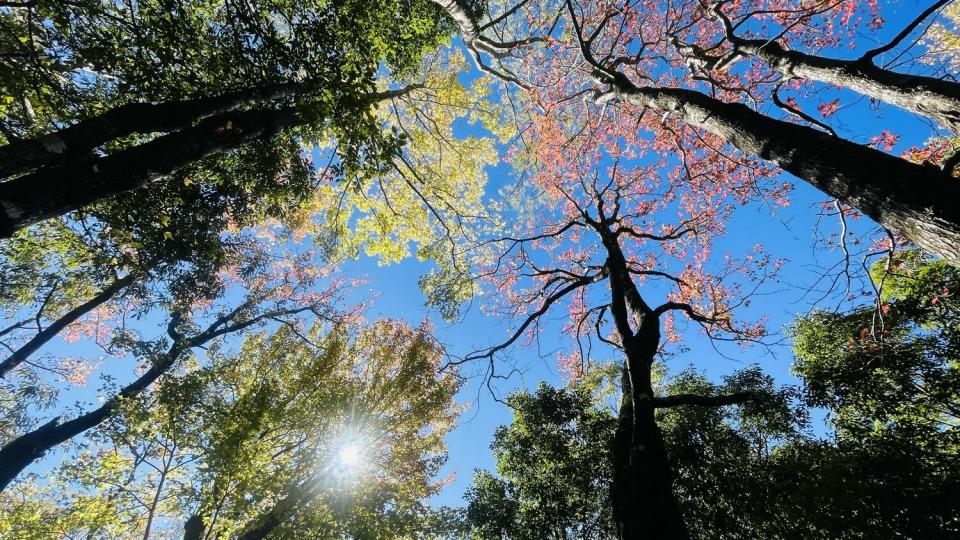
{"type": "Point", "coordinates": [549, 301]}
{"type": "Point", "coordinates": [45, 335]}
{"type": "Point", "coordinates": [20, 452]}
{"type": "Point", "coordinates": [80, 139]}
{"type": "Point", "coordinates": [873, 53]}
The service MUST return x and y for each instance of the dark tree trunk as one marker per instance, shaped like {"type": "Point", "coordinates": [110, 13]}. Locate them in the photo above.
{"type": "Point", "coordinates": [78, 140]}
{"type": "Point", "coordinates": [55, 191]}
{"type": "Point", "coordinates": [55, 327]}
{"type": "Point", "coordinates": [265, 525]}
{"type": "Point", "coordinates": [644, 505]}
{"type": "Point", "coordinates": [934, 98]}
{"type": "Point", "coordinates": [917, 201]}
{"type": "Point", "coordinates": [193, 528]}
{"type": "Point", "coordinates": [19, 453]}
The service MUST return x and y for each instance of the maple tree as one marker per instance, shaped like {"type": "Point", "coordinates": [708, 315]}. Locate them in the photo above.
{"type": "Point", "coordinates": [887, 380]}
{"type": "Point", "coordinates": [631, 222]}
{"type": "Point", "coordinates": [699, 65]}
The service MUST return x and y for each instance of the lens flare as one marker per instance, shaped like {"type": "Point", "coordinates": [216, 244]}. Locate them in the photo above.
{"type": "Point", "coordinates": [350, 454]}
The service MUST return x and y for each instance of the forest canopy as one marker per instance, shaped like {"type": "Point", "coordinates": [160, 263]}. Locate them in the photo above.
{"type": "Point", "coordinates": [280, 269]}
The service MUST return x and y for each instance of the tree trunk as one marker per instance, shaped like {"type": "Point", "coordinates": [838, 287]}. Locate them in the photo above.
{"type": "Point", "coordinates": [193, 528]}
{"type": "Point", "coordinates": [264, 526]}
{"type": "Point", "coordinates": [152, 511]}
{"type": "Point", "coordinates": [55, 327]}
{"type": "Point", "coordinates": [934, 98]}
{"type": "Point", "coordinates": [644, 506]}
{"type": "Point", "coordinates": [268, 521]}
{"type": "Point", "coordinates": [919, 202]}
{"type": "Point", "coordinates": [55, 191]}
{"type": "Point", "coordinates": [80, 139]}
{"type": "Point", "coordinates": [19, 453]}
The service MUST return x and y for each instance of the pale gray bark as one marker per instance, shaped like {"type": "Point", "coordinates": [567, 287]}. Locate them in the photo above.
{"type": "Point", "coordinates": [936, 99]}
{"type": "Point", "coordinates": [917, 201]}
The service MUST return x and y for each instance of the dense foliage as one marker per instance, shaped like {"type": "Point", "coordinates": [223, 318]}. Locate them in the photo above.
{"type": "Point", "coordinates": [259, 433]}
{"type": "Point", "coordinates": [553, 470]}
{"type": "Point", "coordinates": [191, 190]}
{"type": "Point", "coordinates": [888, 467]}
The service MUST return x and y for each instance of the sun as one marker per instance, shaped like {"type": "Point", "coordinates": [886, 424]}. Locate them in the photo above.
{"type": "Point", "coordinates": [350, 454]}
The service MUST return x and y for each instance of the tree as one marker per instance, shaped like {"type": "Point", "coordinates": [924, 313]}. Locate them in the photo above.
{"type": "Point", "coordinates": [280, 292]}
{"type": "Point", "coordinates": [58, 277]}
{"type": "Point", "coordinates": [755, 470]}
{"type": "Point", "coordinates": [942, 39]}
{"type": "Point", "coordinates": [105, 98]}
{"type": "Point", "coordinates": [888, 375]}
{"type": "Point", "coordinates": [253, 443]}
{"type": "Point", "coordinates": [101, 268]}
{"type": "Point", "coordinates": [554, 458]}
{"type": "Point", "coordinates": [553, 468]}
{"type": "Point", "coordinates": [630, 229]}
{"type": "Point", "coordinates": [632, 57]}
{"type": "Point", "coordinates": [936, 98]}
{"type": "Point", "coordinates": [89, 83]}
{"type": "Point", "coordinates": [943, 42]}
{"type": "Point", "coordinates": [892, 361]}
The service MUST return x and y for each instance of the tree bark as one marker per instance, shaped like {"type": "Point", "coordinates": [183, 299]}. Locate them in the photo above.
{"type": "Point", "coordinates": [55, 191]}
{"type": "Point", "coordinates": [193, 528]}
{"type": "Point", "coordinates": [460, 13]}
{"type": "Point", "coordinates": [57, 326]}
{"type": "Point", "coordinates": [934, 98]}
{"type": "Point", "coordinates": [78, 140]}
{"type": "Point", "coordinates": [917, 201]}
{"type": "Point", "coordinates": [268, 521]}
{"type": "Point", "coordinates": [264, 526]}
{"type": "Point", "coordinates": [644, 505]}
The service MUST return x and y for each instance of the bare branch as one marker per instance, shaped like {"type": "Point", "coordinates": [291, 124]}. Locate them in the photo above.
{"type": "Point", "coordinates": [797, 112]}
{"type": "Point", "coordinates": [873, 53]}
{"type": "Point", "coordinates": [549, 301]}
